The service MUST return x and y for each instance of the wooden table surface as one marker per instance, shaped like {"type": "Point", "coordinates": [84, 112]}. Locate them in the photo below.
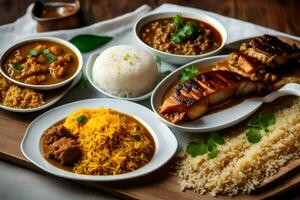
{"type": "Point", "coordinates": [276, 14]}
{"type": "Point", "coordinates": [281, 15]}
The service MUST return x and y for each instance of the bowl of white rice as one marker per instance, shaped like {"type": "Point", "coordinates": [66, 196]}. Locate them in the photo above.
{"type": "Point", "coordinates": [124, 72]}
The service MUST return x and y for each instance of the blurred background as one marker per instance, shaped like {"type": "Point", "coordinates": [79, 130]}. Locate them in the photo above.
{"type": "Point", "coordinates": [281, 15]}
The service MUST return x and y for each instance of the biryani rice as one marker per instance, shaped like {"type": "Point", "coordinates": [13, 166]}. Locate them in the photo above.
{"type": "Point", "coordinates": [108, 144]}
{"type": "Point", "coordinates": [240, 166]}
{"type": "Point", "coordinates": [16, 97]}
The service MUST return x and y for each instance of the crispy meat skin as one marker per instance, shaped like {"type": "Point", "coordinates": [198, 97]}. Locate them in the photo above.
{"type": "Point", "coordinates": [62, 145]}
{"type": "Point", "coordinates": [271, 51]}
{"type": "Point", "coordinates": [191, 99]}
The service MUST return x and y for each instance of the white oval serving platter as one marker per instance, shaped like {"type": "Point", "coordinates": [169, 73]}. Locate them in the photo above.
{"type": "Point", "coordinates": [221, 119]}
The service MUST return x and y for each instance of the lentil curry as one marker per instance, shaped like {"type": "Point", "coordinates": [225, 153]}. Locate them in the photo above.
{"type": "Point", "coordinates": [183, 36]}
{"type": "Point", "coordinates": [41, 63]}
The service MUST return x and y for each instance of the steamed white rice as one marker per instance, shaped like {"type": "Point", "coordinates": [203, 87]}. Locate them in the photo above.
{"type": "Point", "coordinates": [125, 71]}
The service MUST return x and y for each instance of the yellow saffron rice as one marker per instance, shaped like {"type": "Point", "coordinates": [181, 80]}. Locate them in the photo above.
{"type": "Point", "coordinates": [112, 143]}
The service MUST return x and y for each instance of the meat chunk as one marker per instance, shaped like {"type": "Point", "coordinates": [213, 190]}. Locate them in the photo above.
{"type": "Point", "coordinates": [62, 145]}
{"type": "Point", "coordinates": [192, 98]}
{"type": "Point", "coordinates": [65, 150]}
{"type": "Point", "coordinates": [56, 132]}
{"type": "Point", "coordinates": [271, 51]}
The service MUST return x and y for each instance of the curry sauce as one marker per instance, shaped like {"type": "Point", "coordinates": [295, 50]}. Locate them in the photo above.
{"type": "Point", "coordinates": [41, 63]}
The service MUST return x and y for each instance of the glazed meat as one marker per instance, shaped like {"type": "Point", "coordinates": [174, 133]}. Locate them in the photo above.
{"type": "Point", "coordinates": [62, 145]}
{"type": "Point", "coordinates": [192, 98]}
{"type": "Point", "coordinates": [243, 65]}
{"type": "Point", "coordinates": [271, 51]}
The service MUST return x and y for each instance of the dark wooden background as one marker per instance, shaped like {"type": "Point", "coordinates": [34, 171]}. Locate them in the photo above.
{"type": "Point", "coordinates": [282, 15]}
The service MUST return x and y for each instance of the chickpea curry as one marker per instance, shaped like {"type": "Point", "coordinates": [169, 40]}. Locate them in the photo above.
{"type": "Point", "coordinates": [179, 35]}
{"type": "Point", "coordinates": [41, 63]}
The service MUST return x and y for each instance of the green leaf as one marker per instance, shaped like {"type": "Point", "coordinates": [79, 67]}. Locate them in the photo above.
{"type": "Point", "coordinates": [263, 121]}
{"type": "Point", "coordinates": [158, 60]}
{"type": "Point", "coordinates": [137, 137]}
{"type": "Point", "coordinates": [166, 73]}
{"type": "Point", "coordinates": [216, 138]}
{"type": "Point", "coordinates": [188, 73]}
{"type": "Point", "coordinates": [214, 153]}
{"type": "Point", "coordinates": [196, 149]}
{"type": "Point", "coordinates": [86, 43]}
{"type": "Point", "coordinates": [50, 57]}
{"type": "Point", "coordinates": [18, 66]}
{"type": "Point", "coordinates": [253, 135]}
{"type": "Point", "coordinates": [178, 38]}
{"type": "Point", "coordinates": [189, 29]}
{"type": "Point", "coordinates": [83, 81]}
{"type": "Point", "coordinates": [177, 22]}
{"type": "Point", "coordinates": [267, 120]}
{"type": "Point", "coordinates": [211, 144]}
{"type": "Point", "coordinates": [33, 52]}
{"type": "Point", "coordinates": [81, 119]}
{"type": "Point", "coordinates": [45, 51]}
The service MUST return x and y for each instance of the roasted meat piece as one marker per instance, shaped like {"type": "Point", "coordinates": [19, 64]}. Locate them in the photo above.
{"type": "Point", "coordinates": [243, 65]}
{"type": "Point", "coordinates": [65, 150]}
{"type": "Point", "coordinates": [271, 51]}
{"type": "Point", "coordinates": [56, 132]}
{"type": "Point", "coordinates": [61, 145]}
{"type": "Point", "coordinates": [192, 98]}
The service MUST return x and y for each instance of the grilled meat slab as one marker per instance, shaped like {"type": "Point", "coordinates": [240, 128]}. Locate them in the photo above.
{"type": "Point", "coordinates": [271, 51]}
{"type": "Point", "coordinates": [192, 98]}
{"type": "Point", "coordinates": [243, 65]}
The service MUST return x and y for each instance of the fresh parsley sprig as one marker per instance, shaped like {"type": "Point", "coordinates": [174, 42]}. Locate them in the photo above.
{"type": "Point", "coordinates": [189, 30]}
{"type": "Point", "coordinates": [210, 146]}
{"type": "Point", "coordinates": [260, 123]}
{"type": "Point", "coordinates": [188, 73]}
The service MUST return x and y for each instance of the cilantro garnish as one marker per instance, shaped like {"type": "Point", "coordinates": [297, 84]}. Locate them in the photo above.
{"type": "Point", "coordinates": [50, 57]}
{"type": "Point", "coordinates": [260, 122]}
{"type": "Point", "coordinates": [190, 30]}
{"type": "Point", "coordinates": [177, 22]}
{"type": "Point", "coordinates": [158, 60]}
{"type": "Point", "coordinates": [81, 119]}
{"type": "Point", "coordinates": [166, 73]}
{"type": "Point", "coordinates": [83, 81]}
{"type": "Point", "coordinates": [209, 147]}
{"type": "Point", "coordinates": [137, 137]}
{"type": "Point", "coordinates": [195, 149]}
{"type": "Point", "coordinates": [33, 52]}
{"type": "Point", "coordinates": [18, 66]}
{"type": "Point", "coordinates": [45, 51]}
{"type": "Point", "coordinates": [188, 73]}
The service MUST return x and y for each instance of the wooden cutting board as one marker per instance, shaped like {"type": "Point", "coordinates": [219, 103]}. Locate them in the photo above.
{"type": "Point", "coordinates": [157, 185]}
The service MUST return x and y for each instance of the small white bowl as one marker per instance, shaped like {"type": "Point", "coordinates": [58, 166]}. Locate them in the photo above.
{"type": "Point", "coordinates": [36, 39]}
{"type": "Point", "coordinates": [89, 74]}
{"type": "Point", "coordinates": [176, 58]}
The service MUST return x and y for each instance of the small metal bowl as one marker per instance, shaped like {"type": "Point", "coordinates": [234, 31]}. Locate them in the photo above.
{"type": "Point", "coordinates": [62, 21]}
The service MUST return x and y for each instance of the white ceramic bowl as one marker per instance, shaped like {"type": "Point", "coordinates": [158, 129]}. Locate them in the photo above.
{"type": "Point", "coordinates": [89, 74]}
{"type": "Point", "coordinates": [175, 58]}
{"type": "Point", "coordinates": [36, 39]}
{"type": "Point", "coordinates": [165, 142]}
